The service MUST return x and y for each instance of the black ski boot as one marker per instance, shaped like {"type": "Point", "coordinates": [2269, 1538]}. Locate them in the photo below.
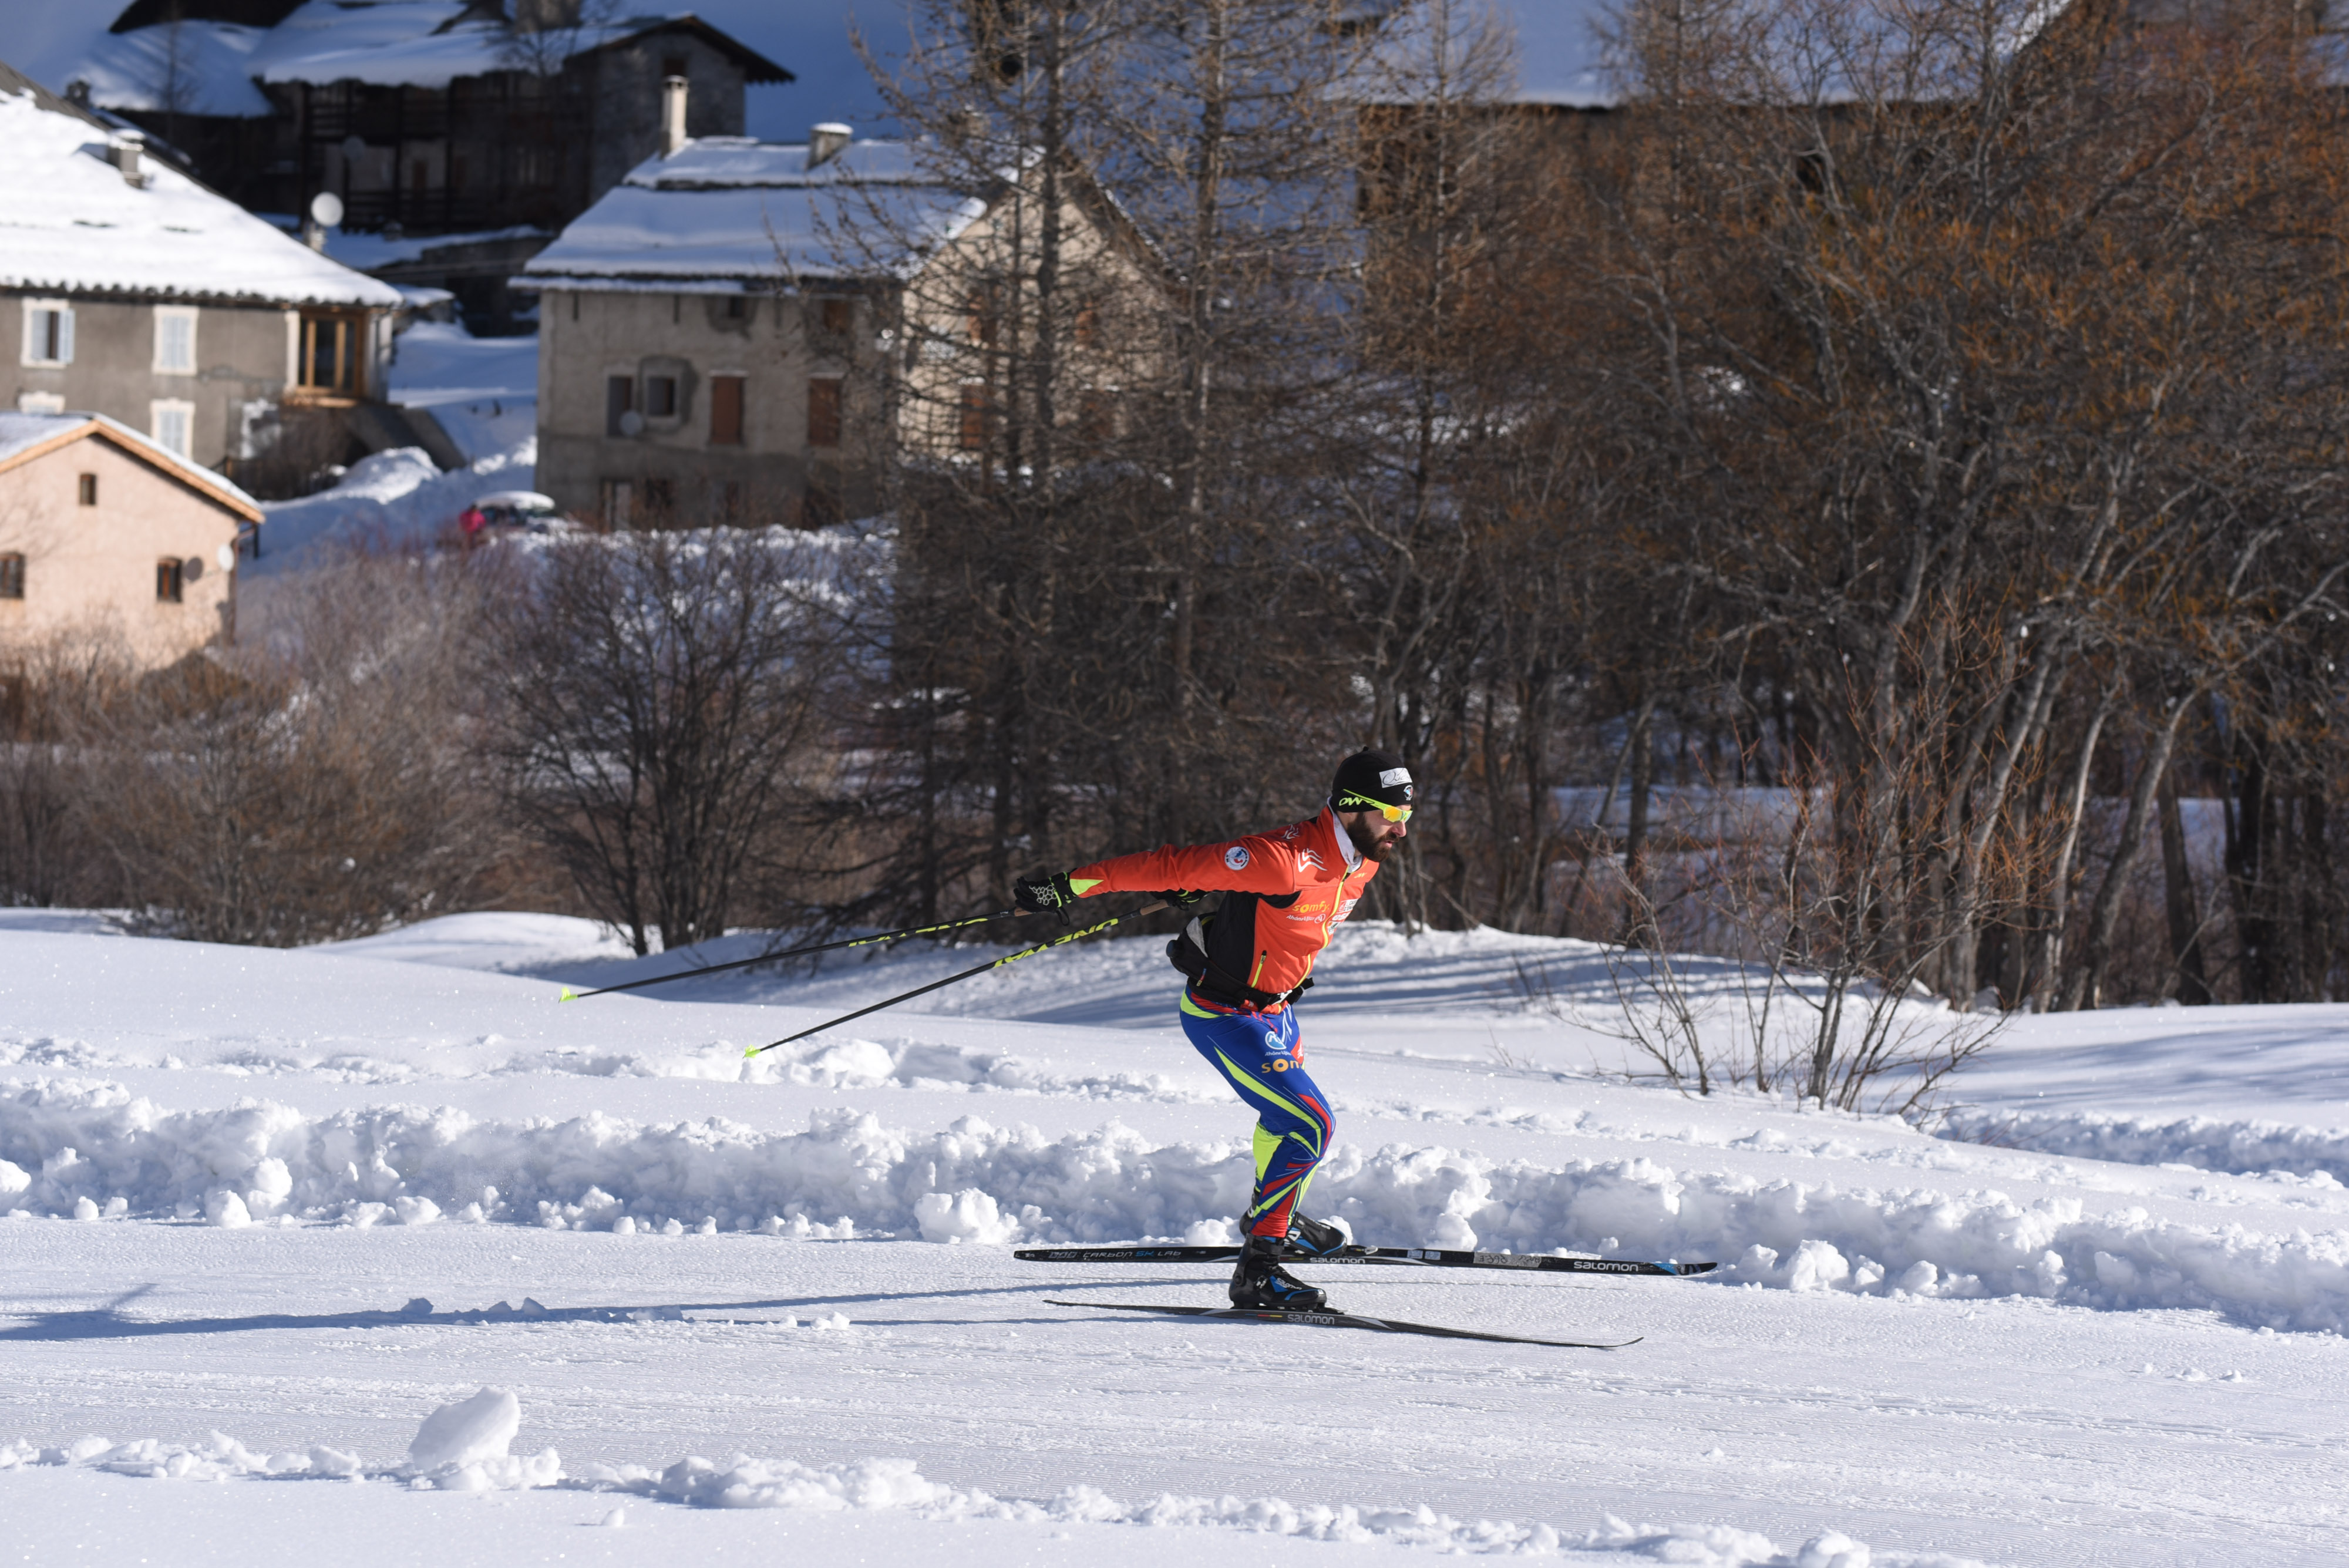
{"type": "Point", "coordinates": [1314, 1238]}
{"type": "Point", "coordinates": [1261, 1281]}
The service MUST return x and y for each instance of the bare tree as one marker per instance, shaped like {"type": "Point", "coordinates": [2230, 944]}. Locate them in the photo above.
{"type": "Point", "coordinates": [660, 697]}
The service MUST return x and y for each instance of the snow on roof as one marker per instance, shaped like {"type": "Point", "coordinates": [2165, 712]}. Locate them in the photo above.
{"type": "Point", "coordinates": [729, 207]}
{"type": "Point", "coordinates": [70, 223]}
{"type": "Point", "coordinates": [193, 68]}
{"type": "Point", "coordinates": [24, 437]}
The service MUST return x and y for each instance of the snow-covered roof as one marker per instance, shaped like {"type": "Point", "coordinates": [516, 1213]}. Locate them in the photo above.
{"type": "Point", "coordinates": [24, 437]}
{"type": "Point", "coordinates": [210, 67]}
{"type": "Point", "coordinates": [194, 67]}
{"type": "Point", "coordinates": [70, 223]}
{"type": "Point", "coordinates": [730, 207]}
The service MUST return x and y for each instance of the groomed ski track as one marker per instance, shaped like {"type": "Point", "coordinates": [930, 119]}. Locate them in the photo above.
{"type": "Point", "coordinates": [2121, 1419]}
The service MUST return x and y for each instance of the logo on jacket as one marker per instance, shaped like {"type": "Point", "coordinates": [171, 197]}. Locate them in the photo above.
{"type": "Point", "coordinates": [1311, 860]}
{"type": "Point", "coordinates": [1236, 857]}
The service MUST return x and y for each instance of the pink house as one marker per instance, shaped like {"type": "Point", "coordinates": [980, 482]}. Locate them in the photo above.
{"type": "Point", "coordinates": [107, 535]}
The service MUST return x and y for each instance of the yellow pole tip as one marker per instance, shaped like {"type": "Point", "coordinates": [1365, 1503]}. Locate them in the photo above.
{"type": "Point", "coordinates": [568, 995]}
{"type": "Point", "coordinates": [753, 1051]}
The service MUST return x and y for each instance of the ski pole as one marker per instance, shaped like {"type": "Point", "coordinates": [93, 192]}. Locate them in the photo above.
{"type": "Point", "coordinates": [972, 972]}
{"type": "Point", "coordinates": [571, 995]}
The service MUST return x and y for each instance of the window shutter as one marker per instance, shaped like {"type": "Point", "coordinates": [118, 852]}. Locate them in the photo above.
{"type": "Point", "coordinates": [725, 410]}
{"type": "Point", "coordinates": [64, 336]}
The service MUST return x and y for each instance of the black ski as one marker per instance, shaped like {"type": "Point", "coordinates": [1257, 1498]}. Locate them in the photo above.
{"type": "Point", "coordinates": [1342, 1320]}
{"type": "Point", "coordinates": [1397, 1256]}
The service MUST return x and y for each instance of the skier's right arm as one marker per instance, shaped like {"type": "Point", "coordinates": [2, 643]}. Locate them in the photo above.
{"type": "Point", "coordinates": [1259, 863]}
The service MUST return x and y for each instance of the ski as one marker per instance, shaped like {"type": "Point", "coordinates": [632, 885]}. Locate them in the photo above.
{"type": "Point", "coordinates": [1342, 1320]}
{"type": "Point", "coordinates": [1395, 1257]}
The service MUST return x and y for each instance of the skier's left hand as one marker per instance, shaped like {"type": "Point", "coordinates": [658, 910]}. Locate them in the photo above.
{"type": "Point", "coordinates": [1046, 893]}
{"type": "Point", "coordinates": [1180, 898]}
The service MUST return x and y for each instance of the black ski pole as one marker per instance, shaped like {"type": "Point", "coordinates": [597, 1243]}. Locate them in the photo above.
{"type": "Point", "coordinates": [970, 973]}
{"type": "Point", "coordinates": [571, 995]}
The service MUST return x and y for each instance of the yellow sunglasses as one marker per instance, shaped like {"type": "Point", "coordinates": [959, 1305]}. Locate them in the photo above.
{"type": "Point", "coordinates": [1363, 803]}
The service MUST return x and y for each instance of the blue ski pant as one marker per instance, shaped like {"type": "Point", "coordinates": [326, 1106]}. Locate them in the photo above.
{"type": "Point", "coordinates": [1258, 1056]}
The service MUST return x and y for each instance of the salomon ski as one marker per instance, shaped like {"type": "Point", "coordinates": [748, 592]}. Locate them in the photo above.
{"type": "Point", "coordinates": [1399, 1257]}
{"type": "Point", "coordinates": [1344, 1320]}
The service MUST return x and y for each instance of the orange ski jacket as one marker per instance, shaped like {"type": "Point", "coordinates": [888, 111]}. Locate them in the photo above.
{"type": "Point", "coordinates": [1287, 890]}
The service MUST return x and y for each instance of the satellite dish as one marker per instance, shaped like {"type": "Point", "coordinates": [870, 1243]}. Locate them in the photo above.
{"type": "Point", "coordinates": [326, 208]}
{"type": "Point", "coordinates": [193, 569]}
{"type": "Point", "coordinates": [632, 424]}
{"type": "Point", "coordinates": [226, 556]}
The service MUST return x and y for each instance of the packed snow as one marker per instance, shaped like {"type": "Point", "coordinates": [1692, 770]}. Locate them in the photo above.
{"type": "Point", "coordinates": [438, 1234]}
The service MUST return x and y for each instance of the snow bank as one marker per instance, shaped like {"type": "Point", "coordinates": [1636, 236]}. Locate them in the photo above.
{"type": "Point", "coordinates": [389, 498]}
{"type": "Point", "coordinates": [2242, 1148]}
{"type": "Point", "coordinates": [90, 1150]}
{"type": "Point", "coordinates": [876, 1484]}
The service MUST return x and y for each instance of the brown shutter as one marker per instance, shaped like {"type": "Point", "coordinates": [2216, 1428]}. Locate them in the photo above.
{"type": "Point", "coordinates": [823, 411]}
{"type": "Point", "coordinates": [725, 410]}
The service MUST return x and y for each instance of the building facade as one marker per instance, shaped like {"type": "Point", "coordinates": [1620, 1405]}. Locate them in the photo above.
{"type": "Point", "coordinates": [127, 289]}
{"type": "Point", "coordinates": [110, 540]}
{"type": "Point", "coordinates": [746, 331]}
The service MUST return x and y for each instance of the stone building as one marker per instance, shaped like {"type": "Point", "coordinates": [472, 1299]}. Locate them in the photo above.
{"type": "Point", "coordinates": [127, 289]}
{"type": "Point", "coordinates": [747, 332]}
{"type": "Point", "coordinates": [107, 537]}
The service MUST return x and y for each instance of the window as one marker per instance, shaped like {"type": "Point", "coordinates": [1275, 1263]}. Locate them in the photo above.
{"type": "Point", "coordinates": [170, 581]}
{"type": "Point", "coordinates": [972, 437]}
{"type": "Point", "coordinates": [982, 314]}
{"type": "Point", "coordinates": [329, 353]}
{"type": "Point", "coordinates": [660, 397]}
{"type": "Point", "coordinates": [729, 501]}
{"type": "Point", "coordinates": [40, 404]}
{"type": "Point", "coordinates": [619, 401]}
{"type": "Point", "coordinates": [1097, 416]}
{"type": "Point", "coordinates": [1087, 329]}
{"type": "Point", "coordinates": [819, 507]}
{"type": "Point", "coordinates": [619, 504]}
{"type": "Point", "coordinates": [838, 316]}
{"type": "Point", "coordinates": [725, 410]}
{"type": "Point", "coordinates": [175, 340]}
{"type": "Point", "coordinates": [737, 307]}
{"type": "Point", "coordinates": [823, 411]}
{"type": "Point", "coordinates": [673, 65]}
{"type": "Point", "coordinates": [48, 332]}
{"type": "Point", "coordinates": [12, 576]}
{"type": "Point", "coordinates": [89, 490]}
{"type": "Point", "coordinates": [660, 502]}
{"type": "Point", "coordinates": [419, 177]}
{"type": "Point", "coordinates": [169, 421]}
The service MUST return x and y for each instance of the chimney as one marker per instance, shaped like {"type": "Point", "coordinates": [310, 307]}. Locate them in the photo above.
{"type": "Point", "coordinates": [672, 115]}
{"type": "Point", "coordinates": [825, 142]}
{"type": "Point", "coordinates": [122, 151]}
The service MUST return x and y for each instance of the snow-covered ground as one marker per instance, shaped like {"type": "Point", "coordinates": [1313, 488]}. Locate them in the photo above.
{"type": "Point", "coordinates": [307, 1198]}
{"type": "Point", "coordinates": [484, 392]}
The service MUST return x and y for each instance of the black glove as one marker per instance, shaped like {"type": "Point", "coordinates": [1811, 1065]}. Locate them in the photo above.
{"type": "Point", "coordinates": [1046, 893]}
{"type": "Point", "coordinates": [1180, 898]}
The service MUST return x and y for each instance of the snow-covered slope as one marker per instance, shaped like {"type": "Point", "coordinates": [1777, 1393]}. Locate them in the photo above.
{"type": "Point", "coordinates": [306, 1197]}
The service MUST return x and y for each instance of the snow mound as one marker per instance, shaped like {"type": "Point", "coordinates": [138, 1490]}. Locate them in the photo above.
{"type": "Point", "coordinates": [2242, 1148]}
{"type": "Point", "coordinates": [981, 1185]}
{"type": "Point", "coordinates": [467, 1431]}
{"type": "Point", "coordinates": [877, 1484]}
{"type": "Point", "coordinates": [388, 500]}
{"type": "Point", "coordinates": [746, 1482]}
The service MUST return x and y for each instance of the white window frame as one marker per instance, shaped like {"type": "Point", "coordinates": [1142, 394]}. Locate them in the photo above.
{"type": "Point", "coordinates": [164, 409]}
{"type": "Point", "coordinates": [34, 341]}
{"type": "Point", "coordinates": [40, 402]}
{"type": "Point", "coordinates": [165, 315]}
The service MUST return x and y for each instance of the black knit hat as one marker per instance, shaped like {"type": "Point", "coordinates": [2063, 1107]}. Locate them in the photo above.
{"type": "Point", "coordinates": [1374, 775]}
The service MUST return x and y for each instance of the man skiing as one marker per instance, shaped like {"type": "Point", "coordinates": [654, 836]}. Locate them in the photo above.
{"type": "Point", "coordinates": [1284, 893]}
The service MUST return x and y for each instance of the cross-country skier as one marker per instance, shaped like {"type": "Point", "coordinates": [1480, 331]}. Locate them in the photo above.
{"type": "Point", "coordinates": [1284, 893]}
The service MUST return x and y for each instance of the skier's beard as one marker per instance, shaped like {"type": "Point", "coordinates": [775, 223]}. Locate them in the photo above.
{"type": "Point", "coordinates": [1370, 842]}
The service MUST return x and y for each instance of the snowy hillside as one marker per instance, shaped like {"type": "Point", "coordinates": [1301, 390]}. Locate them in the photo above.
{"type": "Point", "coordinates": [307, 1198]}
